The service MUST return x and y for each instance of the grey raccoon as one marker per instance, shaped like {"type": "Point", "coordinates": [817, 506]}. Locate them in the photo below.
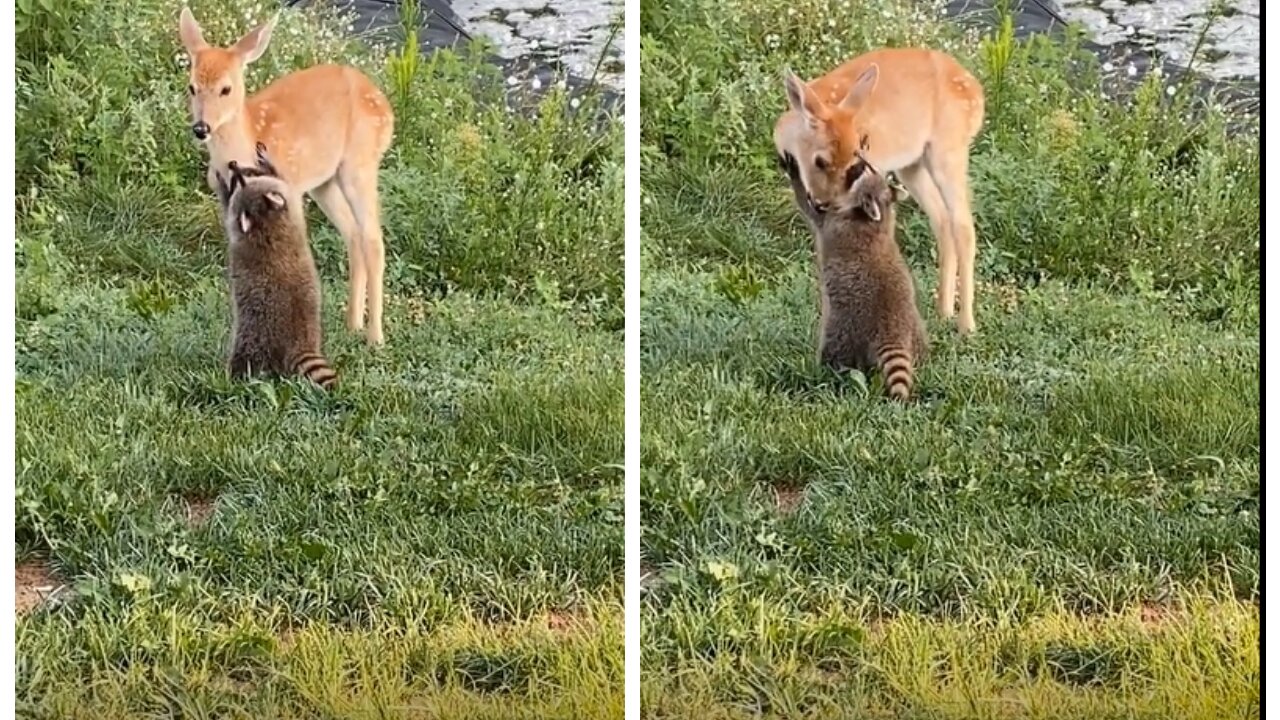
{"type": "Point", "coordinates": [275, 289]}
{"type": "Point", "coordinates": [868, 318]}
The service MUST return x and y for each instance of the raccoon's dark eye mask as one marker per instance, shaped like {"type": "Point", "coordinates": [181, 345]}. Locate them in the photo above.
{"type": "Point", "coordinates": [856, 171]}
{"type": "Point", "coordinates": [860, 166]}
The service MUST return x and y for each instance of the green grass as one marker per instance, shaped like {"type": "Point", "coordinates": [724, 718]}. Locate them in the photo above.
{"type": "Point", "coordinates": [439, 537]}
{"type": "Point", "coordinates": [1067, 522]}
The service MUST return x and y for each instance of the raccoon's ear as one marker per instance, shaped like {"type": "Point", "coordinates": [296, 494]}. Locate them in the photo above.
{"type": "Point", "coordinates": [871, 207]}
{"type": "Point", "coordinates": [898, 193]}
{"type": "Point", "coordinates": [803, 99]}
{"type": "Point", "coordinates": [246, 224]}
{"type": "Point", "coordinates": [275, 198]}
{"type": "Point", "coordinates": [862, 88]}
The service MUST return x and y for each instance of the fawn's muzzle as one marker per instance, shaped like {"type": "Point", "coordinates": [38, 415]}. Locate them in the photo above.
{"type": "Point", "coordinates": [200, 130]}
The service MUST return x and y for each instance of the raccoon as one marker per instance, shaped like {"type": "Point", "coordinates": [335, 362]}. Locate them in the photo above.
{"type": "Point", "coordinates": [275, 289]}
{"type": "Point", "coordinates": [868, 316]}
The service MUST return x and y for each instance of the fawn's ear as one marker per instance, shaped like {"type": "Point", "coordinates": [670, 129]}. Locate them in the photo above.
{"type": "Point", "coordinates": [189, 32]}
{"type": "Point", "coordinates": [803, 99]}
{"type": "Point", "coordinates": [275, 198]}
{"type": "Point", "coordinates": [862, 88]}
{"type": "Point", "coordinates": [254, 43]}
{"type": "Point", "coordinates": [245, 223]}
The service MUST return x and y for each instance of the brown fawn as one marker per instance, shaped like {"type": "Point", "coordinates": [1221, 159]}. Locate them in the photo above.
{"type": "Point", "coordinates": [913, 112]}
{"type": "Point", "coordinates": [327, 128]}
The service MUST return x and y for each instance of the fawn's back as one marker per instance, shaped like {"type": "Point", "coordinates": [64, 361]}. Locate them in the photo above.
{"type": "Point", "coordinates": [314, 119]}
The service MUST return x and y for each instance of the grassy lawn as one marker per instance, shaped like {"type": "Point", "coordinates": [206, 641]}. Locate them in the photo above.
{"type": "Point", "coordinates": [1067, 523]}
{"type": "Point", "coordinates": [440, 537]}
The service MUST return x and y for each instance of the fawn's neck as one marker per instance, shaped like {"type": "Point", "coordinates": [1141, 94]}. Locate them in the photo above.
{"type": "Point", "coordinates": [886, 157]}
{"type": "Point", "coordinates": [233, 140]}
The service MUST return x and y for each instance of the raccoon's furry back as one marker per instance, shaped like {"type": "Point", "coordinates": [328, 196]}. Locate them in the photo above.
{"type": "Point", "coordinates": [275, 289]}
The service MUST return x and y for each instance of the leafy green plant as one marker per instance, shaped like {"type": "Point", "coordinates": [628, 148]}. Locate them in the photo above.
{"type": "Point", "coordinates": [997, 50]}
{"type": "Point", "coordinates": [43, 28]}
{"type": "Point", "coordinates": [402, 66]}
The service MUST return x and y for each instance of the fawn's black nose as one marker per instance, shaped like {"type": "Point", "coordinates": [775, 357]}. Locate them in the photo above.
{"type": "Point", "coordinates": [200, 130]}
{"type": "Point", "coordinates": [820, 207]}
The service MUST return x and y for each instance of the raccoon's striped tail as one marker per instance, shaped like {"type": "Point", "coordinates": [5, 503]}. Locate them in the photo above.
{"type": "Point", "coordinates": [316, 368]}
{"type": "Point", "coordinates": [895, 363]}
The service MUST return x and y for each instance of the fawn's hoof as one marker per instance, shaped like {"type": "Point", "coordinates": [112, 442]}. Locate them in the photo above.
{"type": "Point", "coordinates": [946, 308]}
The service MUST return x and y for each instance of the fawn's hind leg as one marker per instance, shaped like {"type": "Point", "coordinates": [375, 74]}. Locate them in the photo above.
{"type": "Point", "coordinates": [950, 172]}
{"type": "Point", "coordinates": [921, 186]}
{"type": "Point", "coordinates": [360, 187]}
{"type": "Point", "coordinates": [334, 204]}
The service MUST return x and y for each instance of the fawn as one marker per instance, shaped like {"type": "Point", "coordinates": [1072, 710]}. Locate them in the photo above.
{"type": "Point", "coordinates": [912, 112]}
{"type": "Point", "coordinates": [327, 128]}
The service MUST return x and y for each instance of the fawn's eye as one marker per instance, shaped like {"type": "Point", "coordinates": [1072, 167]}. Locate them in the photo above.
{"type": "Point", "coordinates": [191, 89]}
{"type": "Point", "coordinates": [821, 163]}
{"type": "Point", "coordinates": [226, 90]}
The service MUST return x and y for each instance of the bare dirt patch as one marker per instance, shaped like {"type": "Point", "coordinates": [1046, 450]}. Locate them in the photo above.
{"type": "Point", "coordinates": [787, 497]}
{"type": "Point", "coordinates": [198, 508]}
{"type": "Point", "coordinates": [1155, 616]}
{"type": "Point", "coordinates": [650, 578]}
{"type": "Point", "coordinates": [561, 621]}
{"type": "Point", "coordinates": [35, 583]}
